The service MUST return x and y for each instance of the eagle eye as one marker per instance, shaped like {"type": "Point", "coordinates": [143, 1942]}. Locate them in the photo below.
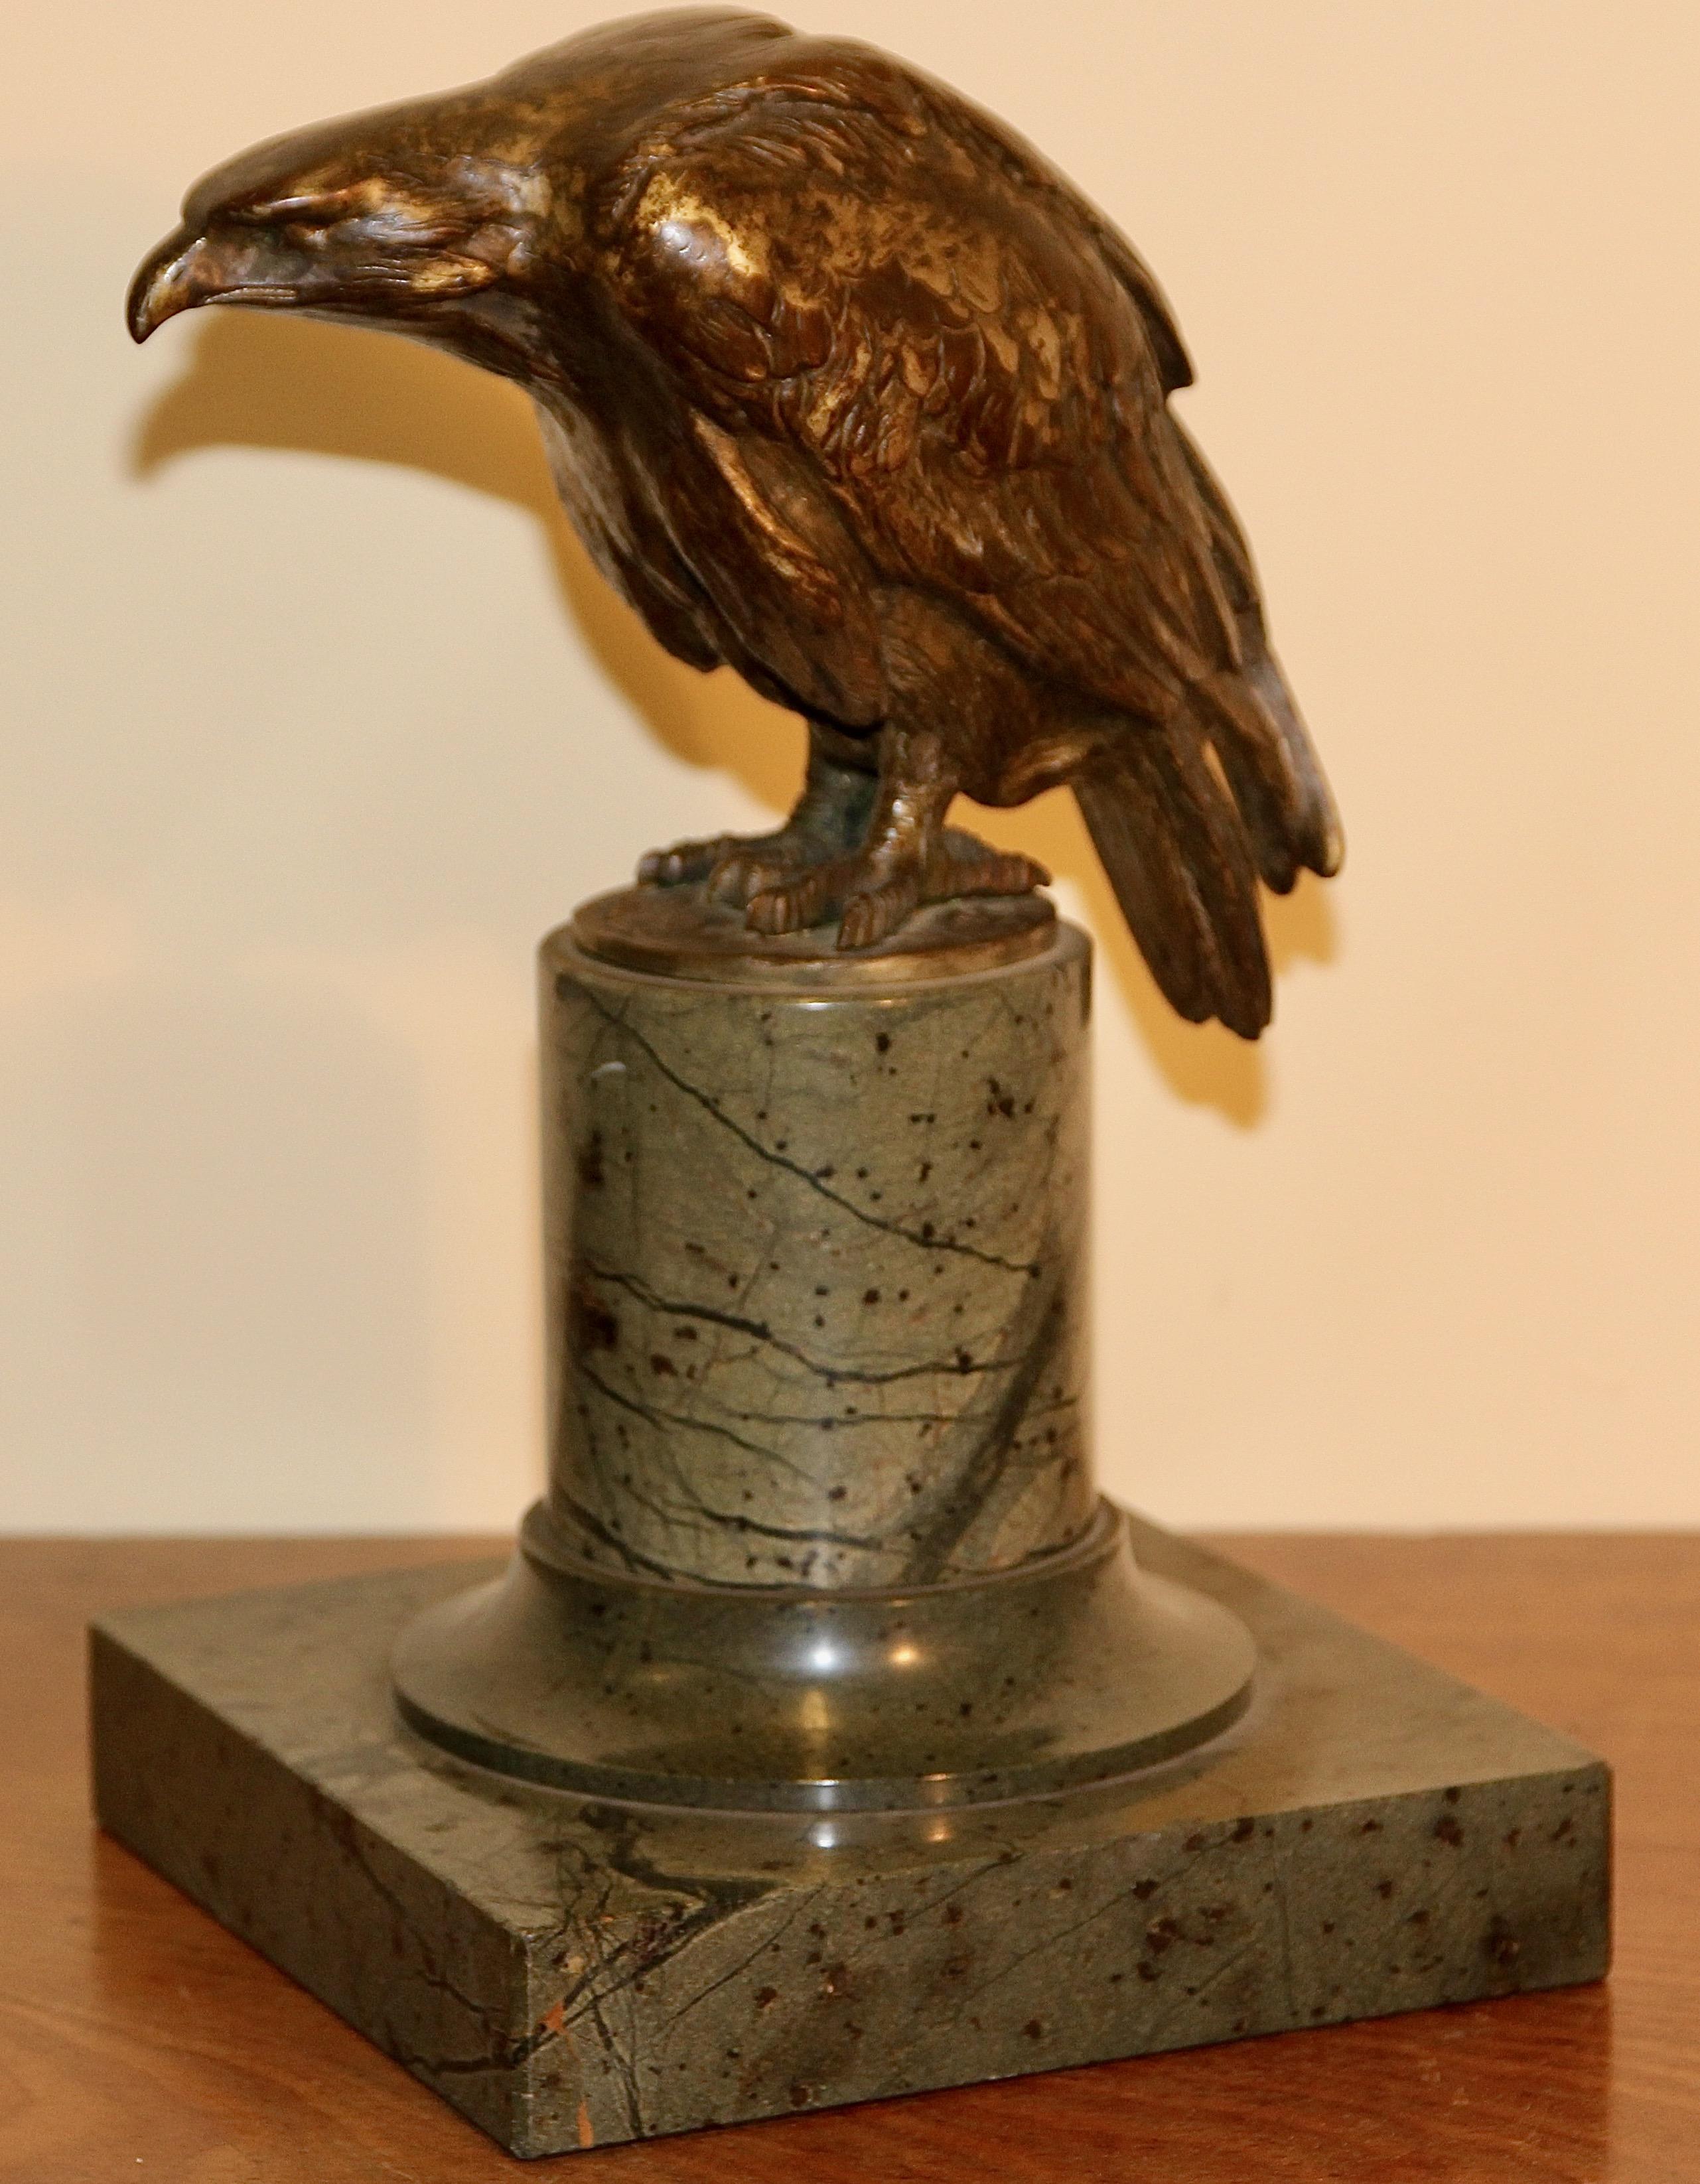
{"type": "Point", "coordinates": [305, 212]}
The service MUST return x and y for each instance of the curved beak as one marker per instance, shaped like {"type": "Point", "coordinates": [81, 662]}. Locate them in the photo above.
{"type": "Point", "coordinates": [175, 277]}
{"type": "Point", "coordinates": [190, 268]}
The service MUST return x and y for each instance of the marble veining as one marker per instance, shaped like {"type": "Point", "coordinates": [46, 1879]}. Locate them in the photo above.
{"type": "Point", "coordinates": [815, 1272]}
{"type": "Point", "coordinates": [571, 1973]}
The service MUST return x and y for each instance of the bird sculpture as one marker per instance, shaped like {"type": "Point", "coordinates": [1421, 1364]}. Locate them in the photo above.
{"type": "Point", "coordinates": [844, 387]}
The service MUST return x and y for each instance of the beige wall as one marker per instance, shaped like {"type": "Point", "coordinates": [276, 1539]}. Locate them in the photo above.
{"type": "Point", "coordinates": [314, 720]}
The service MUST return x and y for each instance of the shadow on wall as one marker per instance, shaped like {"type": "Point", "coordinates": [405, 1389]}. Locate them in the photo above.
{"type": "Point", "coordinates": [262, 381]}
{"type": "Point", "coordinates": [273, 383]}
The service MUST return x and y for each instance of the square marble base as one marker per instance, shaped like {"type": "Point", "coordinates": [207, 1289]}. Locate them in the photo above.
{"type": "Point", "coordinates": [1376, 1837]}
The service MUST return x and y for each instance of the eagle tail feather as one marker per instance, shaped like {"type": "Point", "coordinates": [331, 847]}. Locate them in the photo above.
{"type": "Point", "coordinates": [1271, 769]}
{"type": "Point", "coordinates": [1259, 738]}
{"type": "Point", "coordinates": [1173, 844]}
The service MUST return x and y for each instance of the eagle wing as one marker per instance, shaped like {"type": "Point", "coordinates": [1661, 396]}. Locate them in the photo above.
{"type": "Point", "coordinates": [849, 264]}
{"type": "Point", "coordinates": [864, 287]}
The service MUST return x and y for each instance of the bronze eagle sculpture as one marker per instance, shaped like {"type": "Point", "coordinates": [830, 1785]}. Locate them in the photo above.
{"type": "Point", "coordinates": [846, 387]}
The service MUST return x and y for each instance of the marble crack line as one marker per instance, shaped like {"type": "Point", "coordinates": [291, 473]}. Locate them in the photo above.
{"type": "Point", "coordinates": [600, 1531]}
{"type": "Point", "coordinates": [1038, 1949]}
{"type": "Point", "coordinates": [828, 1422]}
{"type": "Point", "coordinates": [913, 1914]}
{"type": "Point", "coordinates": [834, 1375]}
{"type": "Point", "coordinates": [625, 1962]}
{"type": "Point", "coordinates": [964, 1488]}
{"type": "Point", "coordinates": [625, 2064]}
{"type": "Point", "coordinates": [653, 1415]}
{"type": "Point", "coordinates": [616, 1019]}
{"type": "Point", "coordinates": [1183, 2004]}
{"type": "Point", "coordinates": [693, 1514]}
{"type": "Point", "coordinates": [508, 2049]}
{"type": "Point", "coordinates": [508, 2056]}
{"type": "Point", "coordinates": [777, 1934]}
{"type": "Point", "coordinates": [698, 1512]}
{"type": "Point", "coordinates": [628, 1963]}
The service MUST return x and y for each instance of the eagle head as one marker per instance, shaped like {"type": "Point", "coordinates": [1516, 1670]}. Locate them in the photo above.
{"type": "Point", "coordinates": [426, 217]}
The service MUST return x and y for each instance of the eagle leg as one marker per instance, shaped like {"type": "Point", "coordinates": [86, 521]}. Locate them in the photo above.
{"type": "Point", "coordinates": [908, 856]}
{"type": "Point", "coordinates": [830, 818]}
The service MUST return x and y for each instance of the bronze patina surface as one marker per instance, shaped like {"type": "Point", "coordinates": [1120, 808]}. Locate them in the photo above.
{"type": "Point", "coordinates": [684, 932]}
{"type": "Point", "coordinates": [845, 387]}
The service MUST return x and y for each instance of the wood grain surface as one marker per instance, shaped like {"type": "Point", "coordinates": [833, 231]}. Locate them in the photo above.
{"type": "Point", "coordinates": [138, 2040]}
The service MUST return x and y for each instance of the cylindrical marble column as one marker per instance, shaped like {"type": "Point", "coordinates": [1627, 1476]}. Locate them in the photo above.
{"type": "Point", "coordinates": [820, 1530]}
{"type": "Point", "coordinates": [816, 1270]}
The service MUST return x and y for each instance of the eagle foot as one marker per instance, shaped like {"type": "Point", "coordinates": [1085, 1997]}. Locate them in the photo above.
{"type": "Point", "coordinates": [737, 867]}
{"type": "Point", "coordinates": [869, 898]}
{"type": "Point", "coordinates": [683, 862]}
{"type": "Point", "coordinates": [872, 891]}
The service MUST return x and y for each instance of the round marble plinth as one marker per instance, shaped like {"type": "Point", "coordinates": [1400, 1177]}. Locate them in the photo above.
{"type": "Point", "coordinates": [821, 1529]}
{"type": "Point", "coordinates": [815, 1246]}
{"type": "Point", "coordinates": [1075, 1669]}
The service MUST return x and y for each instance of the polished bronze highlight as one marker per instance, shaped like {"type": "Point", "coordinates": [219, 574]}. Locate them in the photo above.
{"type": "Point", "coordinates": [845, 387]}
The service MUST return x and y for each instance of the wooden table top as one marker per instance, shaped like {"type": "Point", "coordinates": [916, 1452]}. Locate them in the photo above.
{"type": "Point", "coordinates": [137, 2039]}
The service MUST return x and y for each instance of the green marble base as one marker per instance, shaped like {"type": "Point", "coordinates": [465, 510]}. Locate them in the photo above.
{"type": "Point", "coordinates": [1372, 1837]}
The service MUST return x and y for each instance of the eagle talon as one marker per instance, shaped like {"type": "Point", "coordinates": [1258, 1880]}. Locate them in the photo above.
{"type": "Point", "coordinates": [792, 908]}
{"type": "Point", "coordinates": [971, 866]}
{"type": "Point", "coordinates": [869, 918]}
{"type": "Point", "coordinates": [732, 881]}
{"type": "Point", "coordinates": [736, 868]}
{"type": "Point", "coordinates": [869, 900]}
{"type": "Point", "coordinates": [753, 868]}
{"type": "Point", "coordinates": [684, 862]}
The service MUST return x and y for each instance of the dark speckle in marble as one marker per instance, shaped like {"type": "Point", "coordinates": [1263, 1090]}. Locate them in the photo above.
{"type": "Point", "coordinates": [888, 1381]}
{"type": "Point", "coordinates": [571, 1973]}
